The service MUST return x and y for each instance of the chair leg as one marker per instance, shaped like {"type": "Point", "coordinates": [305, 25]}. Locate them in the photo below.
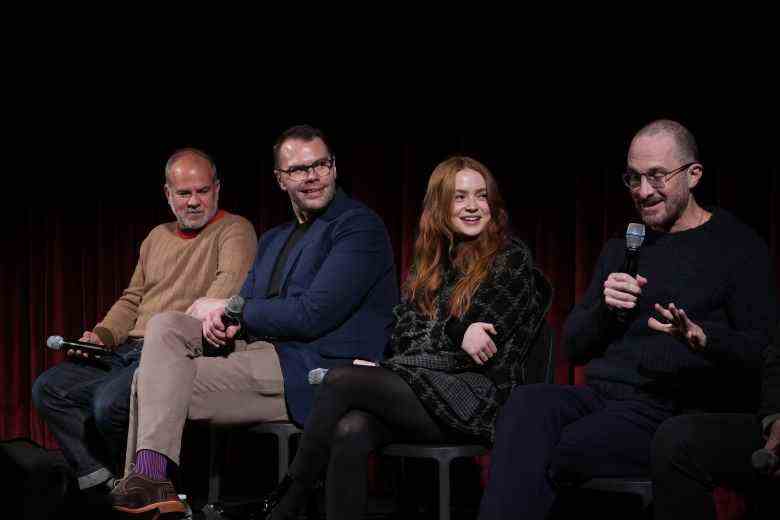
{"type": "Point", "coordinates": [284, 455]}
{"type": "Point", "coordinates": [215, 463]}
{"type": "Point", "coordinates": [444, 489]}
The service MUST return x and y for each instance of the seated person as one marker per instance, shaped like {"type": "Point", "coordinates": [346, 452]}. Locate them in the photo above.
{"type": "Point", "coordinates": [693, 454]}
{"type": "Point", "coordinates": [658, 344]}
{"type": "Point", "coordinates": [472, 307]}
{"type": "Point", "coordinates": [320, 293]}
{"type": "Point", "coordinates": [86, 405]}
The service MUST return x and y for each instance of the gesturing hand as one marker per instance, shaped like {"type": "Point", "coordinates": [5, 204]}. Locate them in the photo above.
{"type": "Point", "coordinates": [477, 344]}
{"type": "Point", "coordinates": [680, 326]}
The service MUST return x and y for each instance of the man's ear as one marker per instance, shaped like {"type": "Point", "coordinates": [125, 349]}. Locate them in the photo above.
{"type": "Point", "coordinates": [695, 173]}
{"type": "Point", "coordinates": [278, 176]}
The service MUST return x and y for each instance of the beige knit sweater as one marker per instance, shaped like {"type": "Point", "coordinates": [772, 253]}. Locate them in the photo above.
{"type": "Point", "coordinates": [175, 269]}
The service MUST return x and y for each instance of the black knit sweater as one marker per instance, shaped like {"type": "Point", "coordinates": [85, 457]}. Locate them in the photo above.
{"type": "Point", "coordinates": [719, 273]}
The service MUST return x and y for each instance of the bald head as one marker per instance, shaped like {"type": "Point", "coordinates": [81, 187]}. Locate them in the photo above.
{"type": "Point", "coordinates": [189, 160]}
{"type": "Point", "coordinates": [686, 149]}
{"type": "Point", "coordinates": [192, 188]}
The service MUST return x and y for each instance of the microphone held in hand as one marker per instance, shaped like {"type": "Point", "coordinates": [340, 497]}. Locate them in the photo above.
{"type": "Point", "coordinates": [94, 351]}
{"type": "Point", "coordinates": [765, 462]}
{"type": "Point", "coordinates": [234, 309]}
{"type": "Point", "coordinates": [635, 235]}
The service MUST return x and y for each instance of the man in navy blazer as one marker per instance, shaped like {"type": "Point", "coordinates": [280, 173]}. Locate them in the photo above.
{"type": "Point", "coordinates": [336, 294]}
{"type": "Point", "coordinates": [320, 294]}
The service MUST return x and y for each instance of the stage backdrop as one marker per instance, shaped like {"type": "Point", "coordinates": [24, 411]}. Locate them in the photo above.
{"type": "Point", "coordinates": [87, 204]}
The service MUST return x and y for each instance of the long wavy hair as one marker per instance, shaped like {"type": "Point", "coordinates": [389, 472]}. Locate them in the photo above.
{"type": "Point", "coordinates": [438, 245]}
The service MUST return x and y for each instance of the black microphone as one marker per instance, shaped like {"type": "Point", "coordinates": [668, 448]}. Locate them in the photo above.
{"type": "Point", "coordinates": [635, 235]}
{"type": "Point", "coordinates": [765, 462]}
{"type": "Point", "coordinates": [234, 309]}
{"type": "Point", "coordinates": [95, 351]}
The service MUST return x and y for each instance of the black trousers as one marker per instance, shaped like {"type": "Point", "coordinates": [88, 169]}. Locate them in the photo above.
{"type": "Point", "coordinates": [547, 435]}
{"type": "Point", "coordinates": [357, 410]}
{"type": "Point", "coordinates": [694, 454]}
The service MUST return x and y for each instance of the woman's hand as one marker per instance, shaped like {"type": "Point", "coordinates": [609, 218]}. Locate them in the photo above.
{"type": "Point", "coordinates": [478, 344]}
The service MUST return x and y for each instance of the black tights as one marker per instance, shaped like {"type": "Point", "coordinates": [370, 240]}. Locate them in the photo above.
{"type": "Point", "coordinates": [357, 410]}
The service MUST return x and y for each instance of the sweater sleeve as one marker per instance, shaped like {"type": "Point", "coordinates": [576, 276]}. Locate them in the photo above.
{"type": "Point", "coordinates": [506, 297]}
{"type": "Point", "coordinates": [406, 319]}
{"type": "Point", "coordinates": [121, 318]}
{"type": "Point", "coordinates": [510, 301]}
{"type": "Point", "coordinates": [590, 326]}
{"type": "Point", "coordinates": [751, 308]}
{"type": "Point", "coordinates": [237, 248]}
{"type": "Point", "coordinates": [520, 297]}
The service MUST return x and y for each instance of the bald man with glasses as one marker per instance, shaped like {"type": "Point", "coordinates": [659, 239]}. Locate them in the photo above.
{"type": "Point", "coordinates": [686, 333]}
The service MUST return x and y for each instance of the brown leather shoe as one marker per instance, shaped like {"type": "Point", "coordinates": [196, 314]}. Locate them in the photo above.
{"type": "Point", "coordinates": [139, 494]}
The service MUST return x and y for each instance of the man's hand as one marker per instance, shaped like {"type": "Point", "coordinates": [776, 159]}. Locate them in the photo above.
{"type": "Point", "coordinates": [90, 337]}
{"type": "Point", "coordinates": [201, 307]}
{"type": "Point", "coordinates": [773, 444]}
{"type": "Point", "coordinates": [621, 290]}
{"type": "Point", "coordinates": [214, 330]}
{"type": "Point", "coordinates": [679, 326]}
{"type": "Point", "coordinates": [477, 344]}
{"type": "Point", "coordinates": [87, 337]}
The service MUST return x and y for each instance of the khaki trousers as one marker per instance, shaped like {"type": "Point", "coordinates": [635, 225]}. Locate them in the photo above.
{"type": "Point", "coordinates": [174, 383]}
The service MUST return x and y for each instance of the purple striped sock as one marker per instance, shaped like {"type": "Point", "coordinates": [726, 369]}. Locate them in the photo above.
{"type": "Point", "coordinates": [151, 464]}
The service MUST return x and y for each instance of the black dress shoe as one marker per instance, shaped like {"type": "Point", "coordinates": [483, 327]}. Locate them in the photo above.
{"type": "Point", "coordinates": [271, 501]}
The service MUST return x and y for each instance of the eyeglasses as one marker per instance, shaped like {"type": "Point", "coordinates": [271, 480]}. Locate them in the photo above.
{"type": "Point", "coordinates": [321, 168]}
{"type": "Point", "coordinates": [657, 178]}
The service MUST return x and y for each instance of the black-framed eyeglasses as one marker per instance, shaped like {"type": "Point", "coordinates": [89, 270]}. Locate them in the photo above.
{"type": "Point", "coordinates": [657, 177]}
{"type": "Point", "coordinates": [321, 168]}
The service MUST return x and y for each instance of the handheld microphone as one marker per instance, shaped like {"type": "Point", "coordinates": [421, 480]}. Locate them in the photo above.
{"type": "Point", "coordinates": [765, 462]}
{"type": "Point", "coordinates": [317, 375]}
{"type": "Point", "coordinates": [234, 309]}
{"type": "Point", "coordinates": [95, 351]}
{"type": "Point", "coordinates": [635, 235]}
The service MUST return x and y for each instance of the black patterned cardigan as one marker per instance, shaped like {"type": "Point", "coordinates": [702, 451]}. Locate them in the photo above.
{"type": "Point", "coordinates": [426, 353]}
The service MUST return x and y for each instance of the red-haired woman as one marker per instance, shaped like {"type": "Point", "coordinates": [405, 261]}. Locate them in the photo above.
{"type": "Point", "coordinates": [471, 308]}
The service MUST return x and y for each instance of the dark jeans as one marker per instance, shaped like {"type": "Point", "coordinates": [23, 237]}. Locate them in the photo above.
{"type": "Point", "coordinates": [694, 454]}
{"type": "Point", "coordinates": [86, 407]}
{"type": "Point", "coordinates": [553, 434]}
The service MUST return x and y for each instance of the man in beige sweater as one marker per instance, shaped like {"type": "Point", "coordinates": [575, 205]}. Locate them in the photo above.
{"type": "Point", "coordinates": [205, 252]}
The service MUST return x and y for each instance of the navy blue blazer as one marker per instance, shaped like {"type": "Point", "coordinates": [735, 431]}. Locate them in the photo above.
{"type": "Point", "coordinates": [337, 295]}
